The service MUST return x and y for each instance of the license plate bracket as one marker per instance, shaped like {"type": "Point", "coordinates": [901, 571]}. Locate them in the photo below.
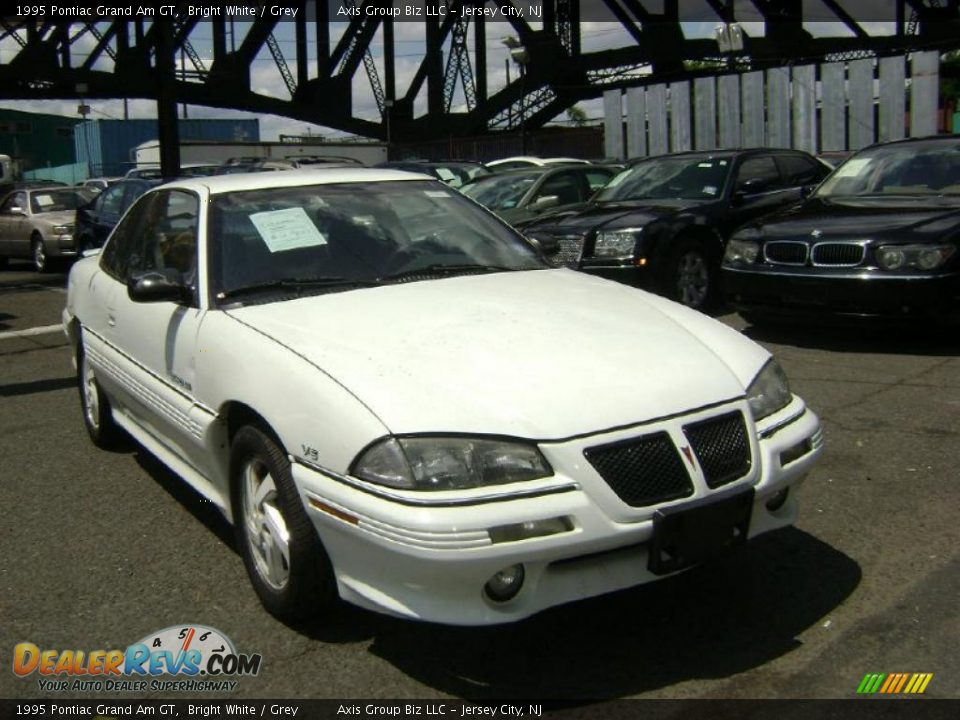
{"type": "Point", "coordinates": [688, 534]}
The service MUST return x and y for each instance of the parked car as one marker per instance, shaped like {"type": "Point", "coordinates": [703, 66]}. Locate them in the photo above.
{"type": "Point", "coordinates": [8, 187]}
{"type": "Point", "coordinates": [37, 223]}
{"type": "Point", "coordinates": [145, 173]}
{"type": "Point", "coordinates": [520, 162]}
{"type": "Point", "coordinates": [94, 220]}
{"type": "Point", "coordinates": [663, 223]}
{"type": "Point", "coordinates": [248, 165]}
{"type": "Point", "coordinates": [455, 173]}
{"type": "Point", "coordinates": [880, 238]}
{"type": "Point", "coordinates": [519, 196]}
{"type": "Point", "coordinates": [99, 184]}
{"type": "Point", "coordinates": [383, 387]}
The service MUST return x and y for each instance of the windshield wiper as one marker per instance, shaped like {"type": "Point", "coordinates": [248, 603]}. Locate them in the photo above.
{"type": "Point", "coordinates": [292, 284]}
{"type": "Point", "coordinates": [444, 270]}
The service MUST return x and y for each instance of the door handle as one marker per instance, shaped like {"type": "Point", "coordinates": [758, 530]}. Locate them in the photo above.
{"type": "Point", "coordinates": [111, 321]}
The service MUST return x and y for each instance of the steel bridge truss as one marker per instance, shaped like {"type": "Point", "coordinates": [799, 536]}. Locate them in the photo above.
{"type": "Point", "coordinates": [454, 89]}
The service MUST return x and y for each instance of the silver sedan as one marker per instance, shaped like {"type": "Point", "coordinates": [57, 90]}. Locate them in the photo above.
{"type": "Point", "coordinates": [38, 224]}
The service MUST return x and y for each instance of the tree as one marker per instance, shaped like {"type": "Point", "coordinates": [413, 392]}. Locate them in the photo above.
{"type": "Point", "coordinates": [577, 116]}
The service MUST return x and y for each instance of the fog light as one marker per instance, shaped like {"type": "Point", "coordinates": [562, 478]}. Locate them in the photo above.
{"type": "Point", "coordinates": [530, 529]}
{"type": "Point", "coordinates": [795, 452]}
{"type": "Point", "coordinates": [505, 584]}
{"type": "Point", "coordinates": [777, 501]}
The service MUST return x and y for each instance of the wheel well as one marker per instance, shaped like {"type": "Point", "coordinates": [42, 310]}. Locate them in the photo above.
{"type": "Point", "coordinates": [712, 242]}
{"type": "Point", "coordinates": [233, 416]}
{"type": "Point", "coordinates": [237, 414]}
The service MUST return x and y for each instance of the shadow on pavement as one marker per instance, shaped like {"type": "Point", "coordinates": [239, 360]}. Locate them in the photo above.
{"type": "Point", "coordinates": [37, 386]}
{"type": "Point", "coordinates": [192, 501]}
{"type": "Point", "coordinates": [712, 622]}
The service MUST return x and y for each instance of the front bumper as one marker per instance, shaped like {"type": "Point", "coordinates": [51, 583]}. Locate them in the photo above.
{"type": "Point", "coordinates": [628, 274]}
{"type": "Point", "coordinates": [815, 293]}
{"type": "Point", "coordinates": [431, 562]}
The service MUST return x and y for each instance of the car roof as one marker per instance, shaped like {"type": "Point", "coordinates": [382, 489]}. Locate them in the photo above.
{"type": "Point", "coordinates": [238, 182]}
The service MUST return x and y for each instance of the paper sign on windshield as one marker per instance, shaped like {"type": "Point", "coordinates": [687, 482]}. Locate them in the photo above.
{"type": "Point", "coordinates": [852, 168]}
{"type": "Point", "coordinates": [287, 229]}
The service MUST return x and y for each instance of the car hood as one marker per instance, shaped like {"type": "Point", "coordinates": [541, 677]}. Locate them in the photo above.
{"type": "Point", "coordinates": [862, 219]}
{"type": "Point", "coordinates": [611, 216]}
{"type": "Point", "coordinates": [60, 217]}
{"type": "Point", "coordinates": [541, 354]}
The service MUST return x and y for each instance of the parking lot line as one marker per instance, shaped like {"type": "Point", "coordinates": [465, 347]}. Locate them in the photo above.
{"type": "Point", "coordinates": [42, 330]}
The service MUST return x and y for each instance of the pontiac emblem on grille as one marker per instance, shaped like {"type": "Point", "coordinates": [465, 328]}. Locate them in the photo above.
{"type": "Point", "coordinates": [688, 454]}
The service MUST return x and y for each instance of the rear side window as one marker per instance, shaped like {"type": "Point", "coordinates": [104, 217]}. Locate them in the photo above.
{"type": "Point", "coordinates": [799, 170]}
{"type": "Point", "coordinates": [761, 172]}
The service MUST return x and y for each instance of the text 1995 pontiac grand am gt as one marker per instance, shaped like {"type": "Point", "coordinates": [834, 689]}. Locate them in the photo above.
{"type": "Point", "coordinates": [398, 403]}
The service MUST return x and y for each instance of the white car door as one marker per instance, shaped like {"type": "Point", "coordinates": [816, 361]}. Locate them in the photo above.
{"type": "Point", "coordinates": [152, 345]}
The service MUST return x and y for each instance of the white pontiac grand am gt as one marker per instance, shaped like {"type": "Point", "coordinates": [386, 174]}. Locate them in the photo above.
{"type": "Point", "coordinates": [398, 403]}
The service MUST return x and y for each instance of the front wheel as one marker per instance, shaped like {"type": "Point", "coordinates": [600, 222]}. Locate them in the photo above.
{"type": "Point", "coordinates": [691, 278]}
{"type": "Point", "coordinates": [38, 252]}
{"type": "Point", "coordinates": [284, 558]}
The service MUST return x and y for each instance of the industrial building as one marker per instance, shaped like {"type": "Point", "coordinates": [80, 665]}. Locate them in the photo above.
{"type": "Point", "coordinates": [107, 147]}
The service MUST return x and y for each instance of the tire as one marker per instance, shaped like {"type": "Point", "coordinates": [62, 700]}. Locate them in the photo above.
{"type": "Point", "coordinates": [38, 255]}
{"type": "Point", "coordinates": [97, 418]}
{"type": "Point", "coordinates": [286, 562]}
{"type": "Point", "coordinates": [691, 278]}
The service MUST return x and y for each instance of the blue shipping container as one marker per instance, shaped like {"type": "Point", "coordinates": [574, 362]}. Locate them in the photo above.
{"type": "Point", "coordinates": [107, 146]}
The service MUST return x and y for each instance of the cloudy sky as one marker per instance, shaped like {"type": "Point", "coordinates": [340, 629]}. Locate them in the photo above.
{"type": "Point", "coordinates": [409, 48]}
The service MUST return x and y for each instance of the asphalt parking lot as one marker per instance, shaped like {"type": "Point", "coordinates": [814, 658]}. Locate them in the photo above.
{"type": "Point", "coordinates": [99, 549]}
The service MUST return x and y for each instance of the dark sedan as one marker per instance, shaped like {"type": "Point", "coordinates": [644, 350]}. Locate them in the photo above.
{"type": "Point", "coordinates": [880, 238]}
{"type": "Point", "coordinates": [96, 219]}
{"type": "Point", "coordinates": [522, 196]}
{"type": "Point", "coordinates": [663, 222]}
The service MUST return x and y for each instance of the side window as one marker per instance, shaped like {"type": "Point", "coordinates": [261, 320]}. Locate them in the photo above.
{"type": "Point", "coordinates": [111, 201]}
{"type": "Point", "coordinates": [123, 241]}
{"type": "Point", "coordinates": [799, 170]}
{"type": "Point", "coordinates": [14, 200]}
{"type": "Point", "coordinates": [168, 236]}
{"type": "Point", "coordinates": [597, 179]}
{"type": "Point", "coordinates": [565, 185]}
{"type": "Point", "coordinates": [758, 174]}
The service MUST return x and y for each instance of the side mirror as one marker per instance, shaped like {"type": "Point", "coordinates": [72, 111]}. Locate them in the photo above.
{"type": "Point", "coordinates": [545, 202]}
{"type": "Point", "coordinates": [157, 287]}
{"type": "Point", "coordinates": [546, 245]}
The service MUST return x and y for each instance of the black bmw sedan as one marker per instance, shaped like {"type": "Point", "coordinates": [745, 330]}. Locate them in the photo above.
{"type": "Point", "coordinates": [663, 222]}
{"type": "Point", "coordinates": [880, 238]}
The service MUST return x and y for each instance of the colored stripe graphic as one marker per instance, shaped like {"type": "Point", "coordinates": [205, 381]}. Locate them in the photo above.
{"type": "Point", "coordinates": [894, 683]}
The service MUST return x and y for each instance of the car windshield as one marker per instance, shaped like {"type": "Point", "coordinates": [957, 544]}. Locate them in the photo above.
{"type": "Point", "coordinates": [42, 201]}
{"type": "Point", "coordinates": [353, 235]}
{"type": "Point", "coordinates": [904, 169]}
{"type": "Point", "coordinates": [696, 178]}
{"type": "Point", "coordinates": [502, 192]}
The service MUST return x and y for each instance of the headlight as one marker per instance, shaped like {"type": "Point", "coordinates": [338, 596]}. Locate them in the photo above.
{"type": "Point", "coordinates": [449, 463]}
{"type": "Point", "coordinates": [916, 257]}
{"type": "Point", "coordinates": [63, 229]}
{"type": "Point", "coordinates": [741, 251]}
{"type": "Point", "coordinates": [769, 391]}
{"type": "Point", "coordinates": [616, 243]}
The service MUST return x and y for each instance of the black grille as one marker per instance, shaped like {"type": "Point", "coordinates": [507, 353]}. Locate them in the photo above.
{"type": "Point", "coordinates": [720, 444]}
{"type": "Point", "coordinates": [844, 254]}
{"type": "Point", "coordinates": [642, 471]}
{"type": "Point", "coordinates": [785, 253]}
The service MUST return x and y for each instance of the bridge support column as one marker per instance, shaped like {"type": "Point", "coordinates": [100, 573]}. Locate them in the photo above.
{"type": "Point", "coordinates": [169, 132]}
